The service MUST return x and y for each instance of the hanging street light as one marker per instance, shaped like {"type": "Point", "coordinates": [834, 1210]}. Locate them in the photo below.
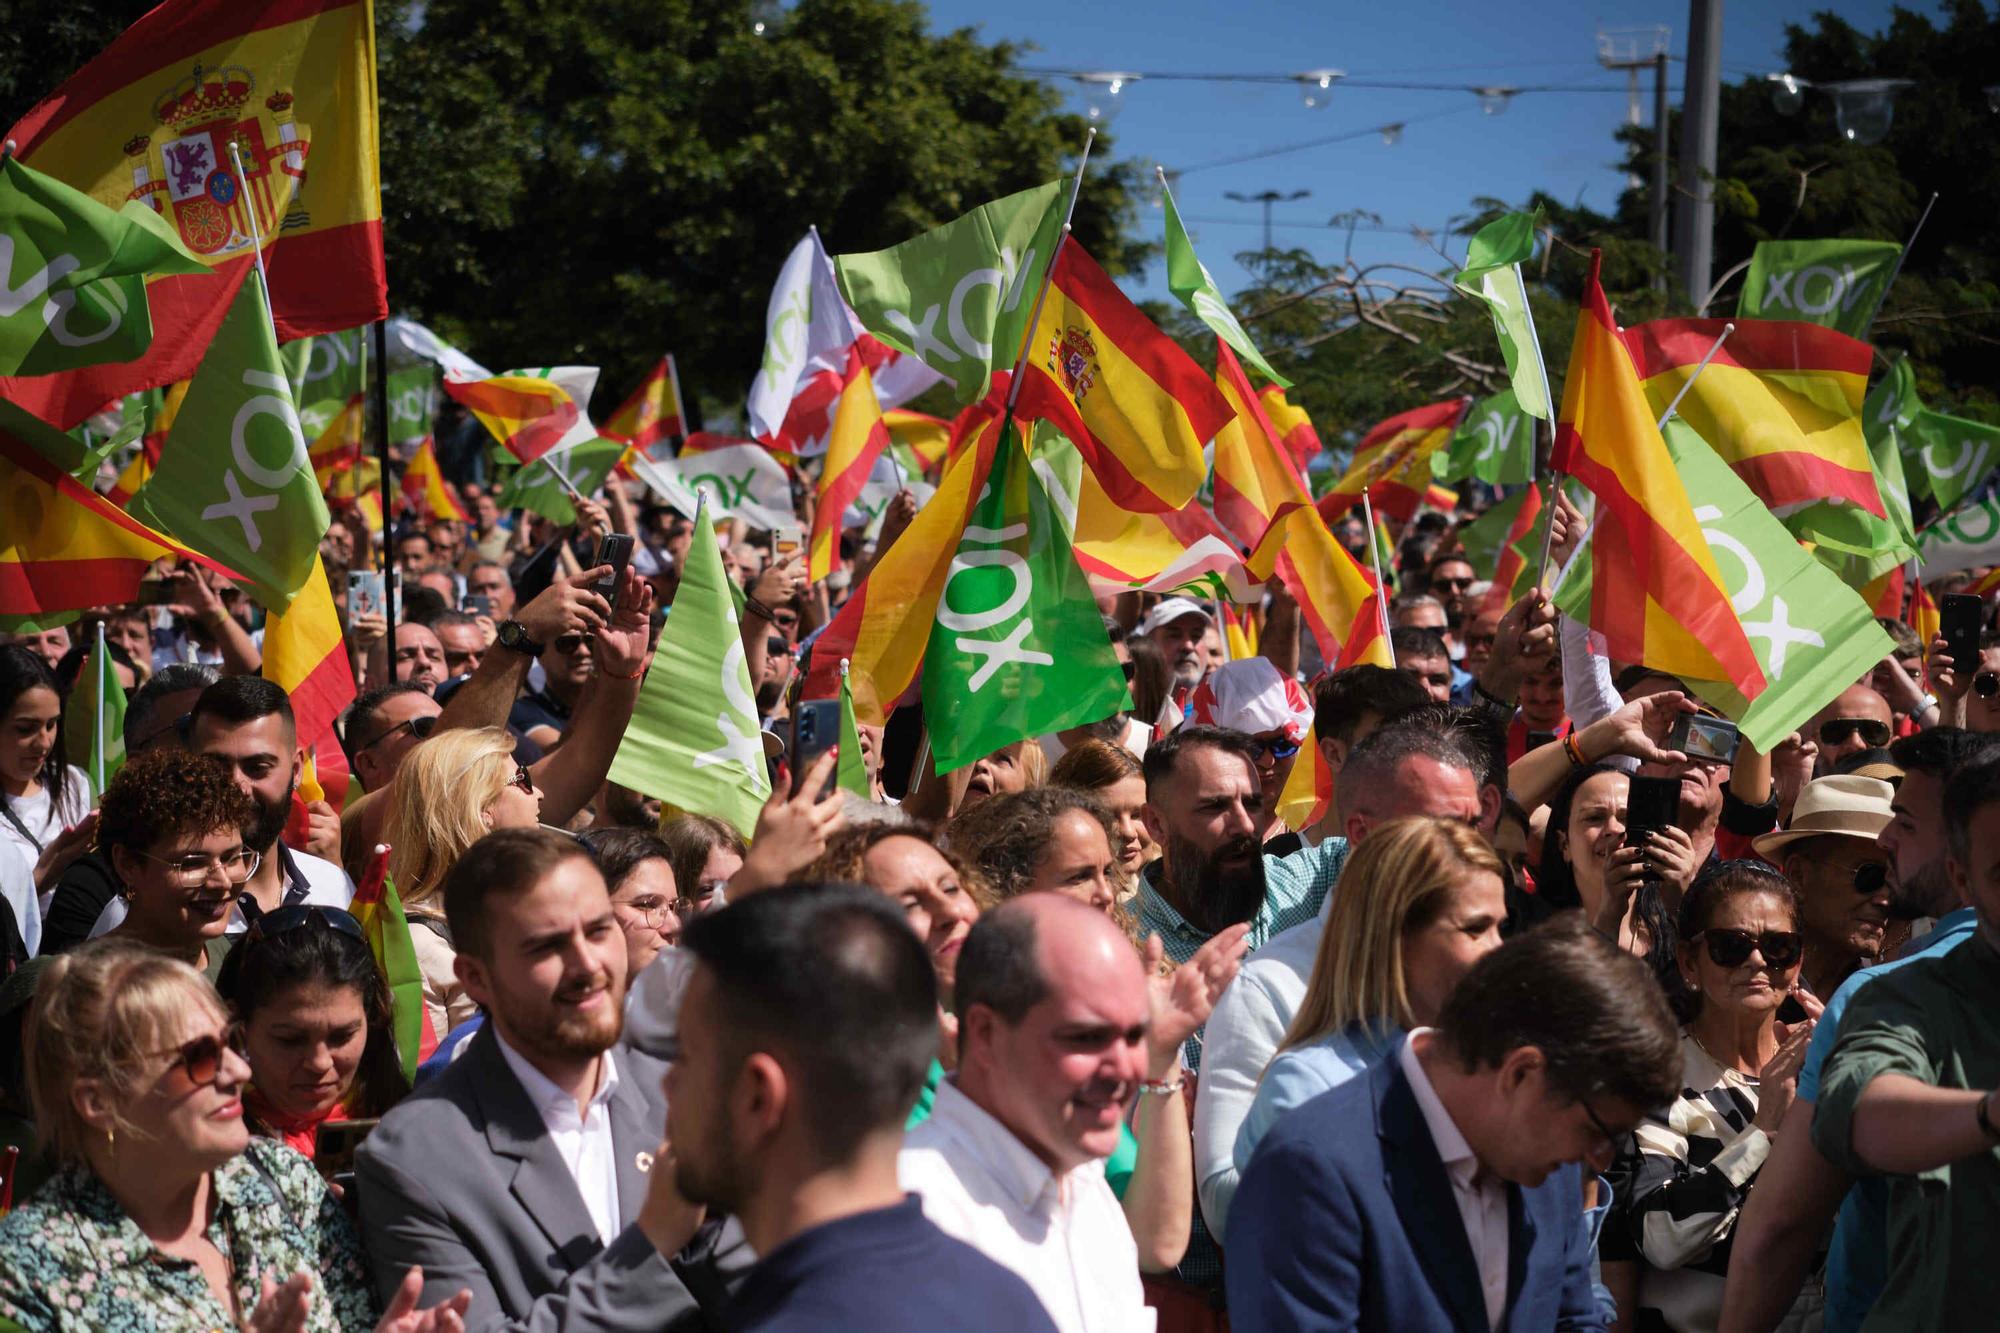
{"type": "Point", "coordinates": [1104, 94]}
{"type": "Point", "coordinates": [1494, 101]}
{"type": "Point", "coordinates": [1316, 86]}
{"type": "Point", "coordinates": [1864, 109]}
{"type": "Point", "coordinates": [1788, 93]}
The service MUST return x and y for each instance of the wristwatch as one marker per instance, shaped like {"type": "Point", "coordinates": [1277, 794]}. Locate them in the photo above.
{"type": "Point", "coordinates": [514, 637]}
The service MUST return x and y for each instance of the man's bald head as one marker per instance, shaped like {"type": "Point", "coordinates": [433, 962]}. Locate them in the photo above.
{"type": "Point", "coordinates": [1410, 767]}
{"type": "Point", "coordinates": [1022, 948]}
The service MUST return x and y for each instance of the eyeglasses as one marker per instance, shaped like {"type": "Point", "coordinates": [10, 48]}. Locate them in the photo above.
{"type": "Point", "coordinates": [654, 908]}
{"type": "Point", "coordinates": [284, 920]}
{"type": "Point", "coordinates": [1869, 877]}
{"type": "Point", "coordinates": [1453, 585]}
{"type": "Point", "coordinates": [1276, 746]}
{"type": "Point", "coordinates": [1986, 684]}
{"type": "Point", "coordinates": [195, 868]}
{"type": "Point", "coordinates": [523, 779]}
{"type": "Point", "coordinates": [1604, 1131]}
{"type": "Point", "coordinates": [776, 647]}
{"type": "Point", "coordinates": [1732, 948]}
{"type": "Point", "coordinates": [420, 727]}
{"type": "Point", "coordinates": [1837, 730]}
{"type": "Point", "coordinates": [568, 644]}
{"type": "Point", "coordinates": [201, 1059]}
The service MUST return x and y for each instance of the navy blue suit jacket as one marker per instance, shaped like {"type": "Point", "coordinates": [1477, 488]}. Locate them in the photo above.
{"type": "Point", "coordinates": [1345, 1219]}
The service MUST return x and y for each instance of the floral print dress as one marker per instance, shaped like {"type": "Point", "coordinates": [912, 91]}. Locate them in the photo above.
{"type": "Point", "coordinates": [70, 1259]}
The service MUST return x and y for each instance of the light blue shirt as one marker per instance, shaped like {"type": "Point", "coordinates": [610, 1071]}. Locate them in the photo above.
{"type": "Point", "coordinates": [1297, 1076]}
{"type": "Point", "coordinates": [1857, 1263]}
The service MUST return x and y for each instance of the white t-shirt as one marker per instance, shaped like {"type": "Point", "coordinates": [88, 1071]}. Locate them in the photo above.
{"type": "Point", "coordinates": [45, 822]}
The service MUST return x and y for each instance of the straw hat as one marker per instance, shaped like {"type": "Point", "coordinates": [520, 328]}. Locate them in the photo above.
{"type": "Point", "coordinates": [1848, 806]}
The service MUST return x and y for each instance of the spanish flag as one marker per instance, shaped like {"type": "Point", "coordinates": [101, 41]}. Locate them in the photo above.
{"type": "Point", "coordinates": [857, 440]}
{"type": "Point", "coordinates": [1308, 791]}
{"type": "Point", "coordinates": [1392, 463]}
{"type": "Point", "coordinates": [379, 910]}
{"type": "Point", "coordinates": [1656, 595]}
{"type": "Point", "coordinates": [424, 489]}
{"type": "Point", "coordinates": [928, 437]}
{"type": "Point", "coordinates": [1513, 563]}
{"type": "Point", "coordinates": [1780, 401]}
{"type": "Point", "coordinates": [1259, 490]}
{"type": "Point", "coordinates": [1181, 550]}
{"type": "Point", "coordinates": [527, 413]}
{"type": "Point", "coordinates": [886, 624]}
{"type": "Point", "coordinates": [305, 654]}
{"type": "Point", "coordinates": [1295, 427]}
{"type": "Point", "coordinates": [653, 412]}
{"type": "Point", "coordinates": [292, 84]}
{"type": "Point", "coordinates": [63, 546]}
{"type": "Point", "coordinates": [1135, 405]}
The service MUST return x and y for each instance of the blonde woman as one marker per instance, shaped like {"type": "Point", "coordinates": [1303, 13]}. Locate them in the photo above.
{"type": "Point", "coordinates": [452, 790]}
{"type": "Point", "coordinates": [1419, 902]}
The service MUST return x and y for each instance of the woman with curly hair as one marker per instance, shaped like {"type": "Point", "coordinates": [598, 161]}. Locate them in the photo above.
{"type": "Point", "coordinates": [1114, 776]}
{"type": "Point", "coordinates": [173, 823]}
{"type": "Point", "coordinates": [1047, 839]}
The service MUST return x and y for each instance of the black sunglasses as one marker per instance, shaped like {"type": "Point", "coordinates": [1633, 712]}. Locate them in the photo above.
{"type": "Point", "coordinates": [201, 1059]}
{"type": "Point", "coordinates": [284, 920]}
{"type": "Point", "coordinates": [1732, 948]}
{"type": "Point", "coordinates": [1986, 684]}
{"type": "Point", "coordinates": [1835, 730]}
{"type": "Point", "coordinates": [1455, 585]}
{"type": "Point", "coordinates": [420, 727]}
{"type": "Point", "coordinates": [568, 644]}
{"type": "Point", "coordinates": [523, 779]}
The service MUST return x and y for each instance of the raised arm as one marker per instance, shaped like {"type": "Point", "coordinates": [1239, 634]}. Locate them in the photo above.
{"type": "Point", "coordinates": [570, 775]}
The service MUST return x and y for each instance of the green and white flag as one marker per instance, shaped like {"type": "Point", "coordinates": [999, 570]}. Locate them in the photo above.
{"type": "Point", "coordinates": [412, 404]}
{"type": "Point", "coordinates": [1885, 417]}
{"type": "Point", "coordinates": [1954, 456]}
{"type": "Point", "coordinates": [1835, 283]}
{"type": "Point", "coordinates": [235, 481]}
{"type": "Point", "coordinates": [1495, 443]}
{"type": "Point", "coordinates": [693, 739]}
{"type": "Point", "coordinates": [850, 772]}
{"type": "Point", "coordinates": [1189, 279]}
{"type": "Point", "coordinates": [94, 717]}
{"type": "Point", "coordinates": [72, 274]}
{"type": "Point", "coordinates": [1492, 274]}
{"type": "Point", "coordinates": [1812, 634]}
{"type": "Point", "coordinates": [536, 488]}
{"type": "Point", "coordinates": [958, 298]}
{"type": "Point", "coordinates": [1968, 539]}
{"type": "Point", "coordinates": [1018, 648]}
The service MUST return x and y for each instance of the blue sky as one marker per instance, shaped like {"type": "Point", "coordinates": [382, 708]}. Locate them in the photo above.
{"type": "Point", "coordinates": [1561, 142]}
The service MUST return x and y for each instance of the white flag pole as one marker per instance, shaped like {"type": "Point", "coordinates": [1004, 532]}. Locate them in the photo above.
{"type": "Point", "coordinates": [97, 741]}
{"type": "Point", "coordinates": [1375, 560]}
{"type": "Point", "coordinates": [1048, 278]}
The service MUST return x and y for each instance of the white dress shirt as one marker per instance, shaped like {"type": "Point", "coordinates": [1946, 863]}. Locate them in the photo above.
{"type": "Point", "coordinates": [584, 1141]}
{"type": "Point", "coordinates": [1481, 1196]}
{"type": "Point", "coordinates": [1066, 1236]}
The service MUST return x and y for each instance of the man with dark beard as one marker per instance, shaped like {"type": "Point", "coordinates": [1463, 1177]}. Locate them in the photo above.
{"type": "Point", "coordinates": [808, 1021]}
{"type": "Point", "coordinates": [1798, 1189]}
{"type": "Point", "coordinates": [526, 1170]}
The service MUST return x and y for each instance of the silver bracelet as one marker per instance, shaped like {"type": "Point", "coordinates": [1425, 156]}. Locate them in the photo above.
{"type": "Point", "coordinates": [1161, 1088]}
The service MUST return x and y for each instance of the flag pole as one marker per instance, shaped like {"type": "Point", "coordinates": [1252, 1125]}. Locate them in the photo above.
{"type": "Point", "coordinates": [1375, 560]}
{"type": "Point", "coordinates": [256, 236]}
{"type": "Point", "coordinates": [1897, 271]}
{"type": "Point", "coordinates": [1700, 366]}
{"type": "Point", "coordinates": [1221, 627]}
{"type": "Point", "coordinates": [680, 408]}
{"type": "Point", "coordinates": [97, 742]}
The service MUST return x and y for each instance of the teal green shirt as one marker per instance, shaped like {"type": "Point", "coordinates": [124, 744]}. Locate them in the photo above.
{"type": "Point", "coordinates": [1117, 1167]}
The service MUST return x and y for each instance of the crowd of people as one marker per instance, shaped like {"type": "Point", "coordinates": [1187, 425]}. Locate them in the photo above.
{"type": "Point", "coordinates": [1081, 1036]}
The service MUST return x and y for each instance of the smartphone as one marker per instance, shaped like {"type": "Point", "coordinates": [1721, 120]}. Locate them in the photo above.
{"type": "Point", "coordinates": [154, 592]}
{"type": "Point", "coordinates": [477, 604]}
{"type": "Point", "coordinates": [334, 1143]}
{"type": "Point", "coordinates": [1537, 739]}
{"type": "Point", "coordinates": [1959, 615]}
{"type": "Point", "coordinates": [364, 593]}
{"type": "Point", "coordinates": [815, 730]}
{"type": "Point", "coordinates": [1790, 1010]}
{"type": "Point", "coordinates": [787, 540]}
{"type": "Point", "coordinates": [1706, 740]}
{"type": "Point", "coordinates": [1652, 804]}
{"type": "Point", "coordinates": [616, 551]}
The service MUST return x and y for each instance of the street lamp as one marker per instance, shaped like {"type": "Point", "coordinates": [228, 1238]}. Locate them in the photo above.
{"type": "Point", "coordinates": [1788, 93]}
{"type": "Point", "coordinates": [1104, 94]}
{"type": "Point", "coordinates": [1316, 86]}
{"type": "Point", "coordinates": [1266, 198]}
{"type": "Point", "coordinates": [1863, 109]}
{"type": "Point", "coordinates": [1493, 101]}
{"type": "Point", "coordinates": [1392, 135]}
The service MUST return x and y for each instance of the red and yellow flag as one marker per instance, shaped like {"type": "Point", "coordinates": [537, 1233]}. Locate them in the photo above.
{"type": "Point", "coordinates": [1512, 563]}
{"type": "Point", "coordinates": [526, 413]}
{"type": "Point", "coordinates": [857, 440]}
{"type": "Point", "coordinates": [63, 546]}
{"type": "Point", "coordinates": [1393, 462]}
{"type": "Point", "coordinates": [1780, 401]}
{"type": "Point", "coordinates": [653, 412]}
{"type": "Point", "coordinates": [1295, 427]}
{"type": "Point", "coordinates": [379, 910]}
{"type": "Point", "coordinates": [926, 436]}
{"type": "Point", "coordinates": [1924, 616]}
{"type": "Point", "coordinates": [304, 653]}
{"type": "Point", "coordinates": [1134, 404]}
{"type": "Point", "coordinates": [1656, 595]}
{"type": "Point", "coordinates": [424, 489]}
{"type": "Point", "coordinates": [292, 84]}
{"type": "Point", "coordinates": [1259, 490]}
{"type": "Point", "coordinates": [1308, 790]}
{"type": "Point", "coordinates": [338, 447]}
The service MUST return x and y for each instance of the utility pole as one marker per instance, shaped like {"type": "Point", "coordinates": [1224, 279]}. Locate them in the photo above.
{"type": "Point", "coordinates": [1266, 198]}
{"type": "Point", "coordinates": [1633, 50]}
{"type": "Point", "coordinates": [1658, 210]}
{"type": "Point", "coordinates": [1694, 213]}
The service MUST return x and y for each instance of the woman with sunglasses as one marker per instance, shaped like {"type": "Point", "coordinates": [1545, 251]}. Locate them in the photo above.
{"type": "Point", "coordinates": [638, 869]}
{"type": "Point", "coordinates": [317, 1026]}
{"type": "Point", "coordinates": [172, 823]}
{"type": "Point", "coordinates": [451, 791]}
{"type": "Point", "coordinates": [1697, 1159]}
{"type": "Point", "coordinates": [163, 1212]}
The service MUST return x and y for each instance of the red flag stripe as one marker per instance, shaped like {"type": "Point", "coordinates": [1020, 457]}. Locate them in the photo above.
{"type": "Point", "coordinates": [1662, 345]}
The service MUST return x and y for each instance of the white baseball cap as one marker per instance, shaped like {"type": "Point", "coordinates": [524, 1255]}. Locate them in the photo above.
{"type": "Point", "coordinates": [1167, 612]}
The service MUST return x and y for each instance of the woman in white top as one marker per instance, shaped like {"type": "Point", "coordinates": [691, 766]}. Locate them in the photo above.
{"type": "Point", "coordinates": [40, 795]}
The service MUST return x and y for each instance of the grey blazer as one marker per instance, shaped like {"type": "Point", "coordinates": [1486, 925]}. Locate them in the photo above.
{"type": "Point", "coordinates": [461, 1177]}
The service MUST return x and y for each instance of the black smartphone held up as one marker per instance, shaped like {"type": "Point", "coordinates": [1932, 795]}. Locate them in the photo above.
{"type": "Point", "coordinates": [1704, 739]}
{"type": "Point", "coordinates": [815, 730]}
{"type": "Point", "coordinates": [616, 551]}
{"type": "Point", "coordinates": [476, 604]}
{"type": "Point", "coordinates": [1653, 804]}
{"type": "Point", "coordinates": [1537, 739]}
{"type": "Point", "coordinates": [1790, 1010]}
{"type": "Point", "coordinates": [334, 1143]}
{"type": "Point", "coordinates": [1959, 614]}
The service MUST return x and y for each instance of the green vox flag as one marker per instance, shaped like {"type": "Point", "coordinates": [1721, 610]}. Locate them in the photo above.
{"type": "Point", "coordinates": [958, 298]}
{"type": "Point", "coordinates": [1495, 443]}
{"type": "Point", "coordinates": [413, 404]}
{"type": "Point", "coordinates": [94, 717]}
{"type": "Point", "coordinates": [1485, 538]}
{"type": "Point", "coordinates": [851, 768]}
{"type": "Point", "coordinates": [1189, 279]}
{"type": "Point", "coordinates": [1492, 274]}
{"type": "Point", "coordinates": [1967, 539]}
{"type": "Point", "coordinates": [235, 481]}
{"type": "Point", "coordinates": [72, 274]}
{"type": "Point", "coordinates": [693, 739]}
{"type": "Point", "coordinates": [1835, 283]}
{"type": "Point", "coordinates": [1955, 455]}
{"type": "Point", "coordinates": [535, 487]}
{"type": "Point", "coordinates": [328, 373]}
{"type": "Point", "coordinates": [1812, 634]}
{"type": "Point", "coordinates": [1018, 648]}
{"type": "Point", "coordinates": [1886, 415]}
